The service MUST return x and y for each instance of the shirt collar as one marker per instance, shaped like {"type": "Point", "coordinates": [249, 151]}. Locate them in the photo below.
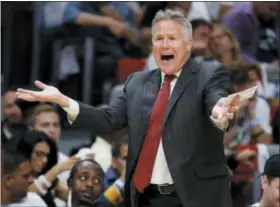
{"type": "Point", "coordinates": [111, 175]}
{"type": "Point", "coordinates": [176, 74]}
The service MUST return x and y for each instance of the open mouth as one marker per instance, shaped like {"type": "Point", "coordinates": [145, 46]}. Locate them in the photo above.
{"type": "Point", "coordinates": [167, 57]}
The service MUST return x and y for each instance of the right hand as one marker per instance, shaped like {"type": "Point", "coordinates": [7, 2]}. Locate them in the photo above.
{"type": "Point", "coordinates": [68, 164]}
{"type": "Point", "coordinates": [48, 94]}
{"type": "Point", "coordinates": [116, 27]}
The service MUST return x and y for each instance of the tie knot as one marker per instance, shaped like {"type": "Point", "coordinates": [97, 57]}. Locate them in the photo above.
{"type": "Point", "coordinates": [168, 78]}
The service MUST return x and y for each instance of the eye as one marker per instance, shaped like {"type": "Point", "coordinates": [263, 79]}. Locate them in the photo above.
{"type": "Point", "coordinates": [83, 178]}
{"type": "Point", "coordinates": [171, 38]}
{"type": "Point", "coordinates": [96, 181]}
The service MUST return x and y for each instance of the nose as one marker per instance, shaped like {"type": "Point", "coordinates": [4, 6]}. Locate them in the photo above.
{"type": "Point", "coordinates": [90, 183]}
{"type": "Point", "coordinates": [165, 43]}
{"type": "Point", "coordinates": [30, 180]}
{"type": "Point", "coordinates": [45, 160]}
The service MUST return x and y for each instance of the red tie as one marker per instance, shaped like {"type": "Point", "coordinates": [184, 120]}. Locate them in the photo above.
{"type": "Point", "coordinates": [144, 168]}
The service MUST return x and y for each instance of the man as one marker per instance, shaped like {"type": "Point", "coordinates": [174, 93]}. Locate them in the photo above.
{"type": "Point", "coordinates": [260, 20]}
{"type": "Point", "coordinates": [12, 116]}
{"type": "Point", "coordinates": [175, 154]}
{"type": "Point", "coordinates": [86, 185]}
{"type": "Point", "coordinates": [270, 182]}
{"type": "Point", "coordinates": [15, 180]}
{"type": "Point", "coordinates": [119, 156]}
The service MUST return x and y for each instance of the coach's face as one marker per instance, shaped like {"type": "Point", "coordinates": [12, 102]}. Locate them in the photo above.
{"type": "Point", "coordinates": [171, 46]}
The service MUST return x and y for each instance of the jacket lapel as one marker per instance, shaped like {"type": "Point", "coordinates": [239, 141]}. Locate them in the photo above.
{"type": "Point", "coordinates": [150, 92]}
{"type": "Point", "coordinates": [186, 76]}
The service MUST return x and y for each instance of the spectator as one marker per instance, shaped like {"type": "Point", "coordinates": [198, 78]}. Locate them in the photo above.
{"type": "Point", "coordinates": [255, 75]}
{"type": "Point", "coordinates": [119, 155]}
{"type": "Point", "coordinates": [86, 185]}
{"type": "Point", "coordinates": [12, 116]}
{"type": "Point", "coordinates": [15, 180]}
{"type": "Point", "coordinates": [202, 30]}
{"type": "Point", "coordinates": [42, 152]}
{"type": "Point", "coordinates": [253, 121]}
{"type": "Point", "coordinates": [90, 14]}
{"type": "Point", "coordinates": [259, 20]}
{"type": "Point", "coordinates": [46, 119]}
{"type": "Point", "coordinates": [270, 182]}
{"type": "Point", "coordinates": [224, 47]}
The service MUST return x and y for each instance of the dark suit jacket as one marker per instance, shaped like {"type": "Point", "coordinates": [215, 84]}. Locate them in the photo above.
{"type": "Point", "coordinates": [192, 144]}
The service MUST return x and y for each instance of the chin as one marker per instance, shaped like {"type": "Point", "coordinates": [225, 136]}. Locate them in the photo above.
{"type": "Point", "coordinates": [169, 71]}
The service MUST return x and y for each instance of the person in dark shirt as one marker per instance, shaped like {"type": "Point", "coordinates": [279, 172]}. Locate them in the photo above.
{"type": "Point", "coordinates": [86, 185]}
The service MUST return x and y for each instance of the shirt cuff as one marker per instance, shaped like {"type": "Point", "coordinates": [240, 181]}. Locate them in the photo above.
{"type": "Point", "coordinates": [72, 110]}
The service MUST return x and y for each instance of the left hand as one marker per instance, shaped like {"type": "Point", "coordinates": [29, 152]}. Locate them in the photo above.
{"type": "Point", "coordinates": [225, 109]}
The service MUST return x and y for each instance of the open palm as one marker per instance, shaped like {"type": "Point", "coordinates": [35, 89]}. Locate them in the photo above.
{"type": "Point", "coordinates": [47, 94]}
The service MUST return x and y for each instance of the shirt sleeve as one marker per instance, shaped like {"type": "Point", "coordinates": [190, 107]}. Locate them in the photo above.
{"type": "Point", "coordinates": [72, 111]}
{"type": "Point", "coordinates": [72, 11]}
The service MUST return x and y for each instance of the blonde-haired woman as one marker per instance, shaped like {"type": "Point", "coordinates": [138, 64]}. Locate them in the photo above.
{"type": "Point", "coordinates": [224, 47]}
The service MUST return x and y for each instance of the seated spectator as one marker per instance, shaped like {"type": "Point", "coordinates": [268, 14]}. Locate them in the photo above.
{"type": "Point", "coordinates": [46, 119]}
{"type": "Point", "coordinates": [15, 180]}
{"type": "Point", "coordinates": [270, 183]}
{"type": "Point", "coordinates": [42, 152]}
{"type": "Point", "coordinates": [253, 119]}
{"type": "Point", "coordinates": [255, 25]}
{"type": "Point", "coordinates": [91, 14]}
{"type": "Point", "coordinates": [86, 185]}
{"type": "Point", "coordinates": [12, 114]}
{"type": "Point", "coordinates": [254, 74]}
{"type": "Point", "coordinates": [202, 30]}
{"type": "Point", "coordinates": [224, 47]}
{"type": "Point", "coordinates": [119, 155]}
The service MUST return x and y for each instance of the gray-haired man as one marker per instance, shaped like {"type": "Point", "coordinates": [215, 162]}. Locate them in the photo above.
{"type": "Point", "coordinates": [175, 154]}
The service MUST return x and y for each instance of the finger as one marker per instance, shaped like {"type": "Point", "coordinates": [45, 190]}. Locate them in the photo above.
{"type": "Point", "coordinates": [40, 84]}
{"type": "Point", "coordinates": [26, 97]}
{"type": "Point", "coordinates": [235, 101]}
{"type": "Point", "coordinates": [25, 91]}
{"type": "Point", "coordinates": [230, 115]}
{"type": "Point", "coordinates": [234, 109]}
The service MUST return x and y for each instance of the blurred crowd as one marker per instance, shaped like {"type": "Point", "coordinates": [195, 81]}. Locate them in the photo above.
{"type": "Point", "coordinates": [244, 36]}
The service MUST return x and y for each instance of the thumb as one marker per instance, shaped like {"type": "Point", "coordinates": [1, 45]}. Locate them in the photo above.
{"type": "Point", "coordinates": [40, 84]}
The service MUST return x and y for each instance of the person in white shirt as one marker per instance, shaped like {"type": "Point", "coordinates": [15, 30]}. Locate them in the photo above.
{"type": "Point", "coordinates": [31, 200]}
{"type": "Point", "coordinates": [270, 182]}
{"type": "Point", "coordinates": [15, 175]}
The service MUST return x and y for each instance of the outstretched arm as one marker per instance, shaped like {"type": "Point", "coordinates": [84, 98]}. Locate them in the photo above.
{"type": "Point", "coordinates": [219, 108]}
{"type": "Point", "coordinates": [99, 120]}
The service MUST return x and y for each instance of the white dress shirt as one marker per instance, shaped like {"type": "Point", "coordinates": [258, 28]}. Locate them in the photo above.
{"type": "Point", "coordinates": [161, 173]}
{"type": "Point", "coordinates": [31, 200]}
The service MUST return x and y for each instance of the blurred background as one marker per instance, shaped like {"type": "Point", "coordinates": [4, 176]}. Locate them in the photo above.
{"type": "Point", "coordinates": [88, 49]}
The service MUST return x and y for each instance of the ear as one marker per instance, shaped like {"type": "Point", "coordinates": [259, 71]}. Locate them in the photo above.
{"type": "Point", "coordinates": [264, 181]}
{"type": "Point", "coordinates": [189, 46]}
{"type": "Point", "coordinates": [8, 180]}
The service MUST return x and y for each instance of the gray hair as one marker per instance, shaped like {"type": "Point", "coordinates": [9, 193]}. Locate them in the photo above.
{"type": "Point", "coordinates": [169, 14]}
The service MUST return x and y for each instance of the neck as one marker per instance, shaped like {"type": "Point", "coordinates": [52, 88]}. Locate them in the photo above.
{"type": "Point", "coordinates": [226, 59]}
{"type": "Point", "coordinates": [264, 203]}
{"type": "Point", "coordinates": [4, 196]}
